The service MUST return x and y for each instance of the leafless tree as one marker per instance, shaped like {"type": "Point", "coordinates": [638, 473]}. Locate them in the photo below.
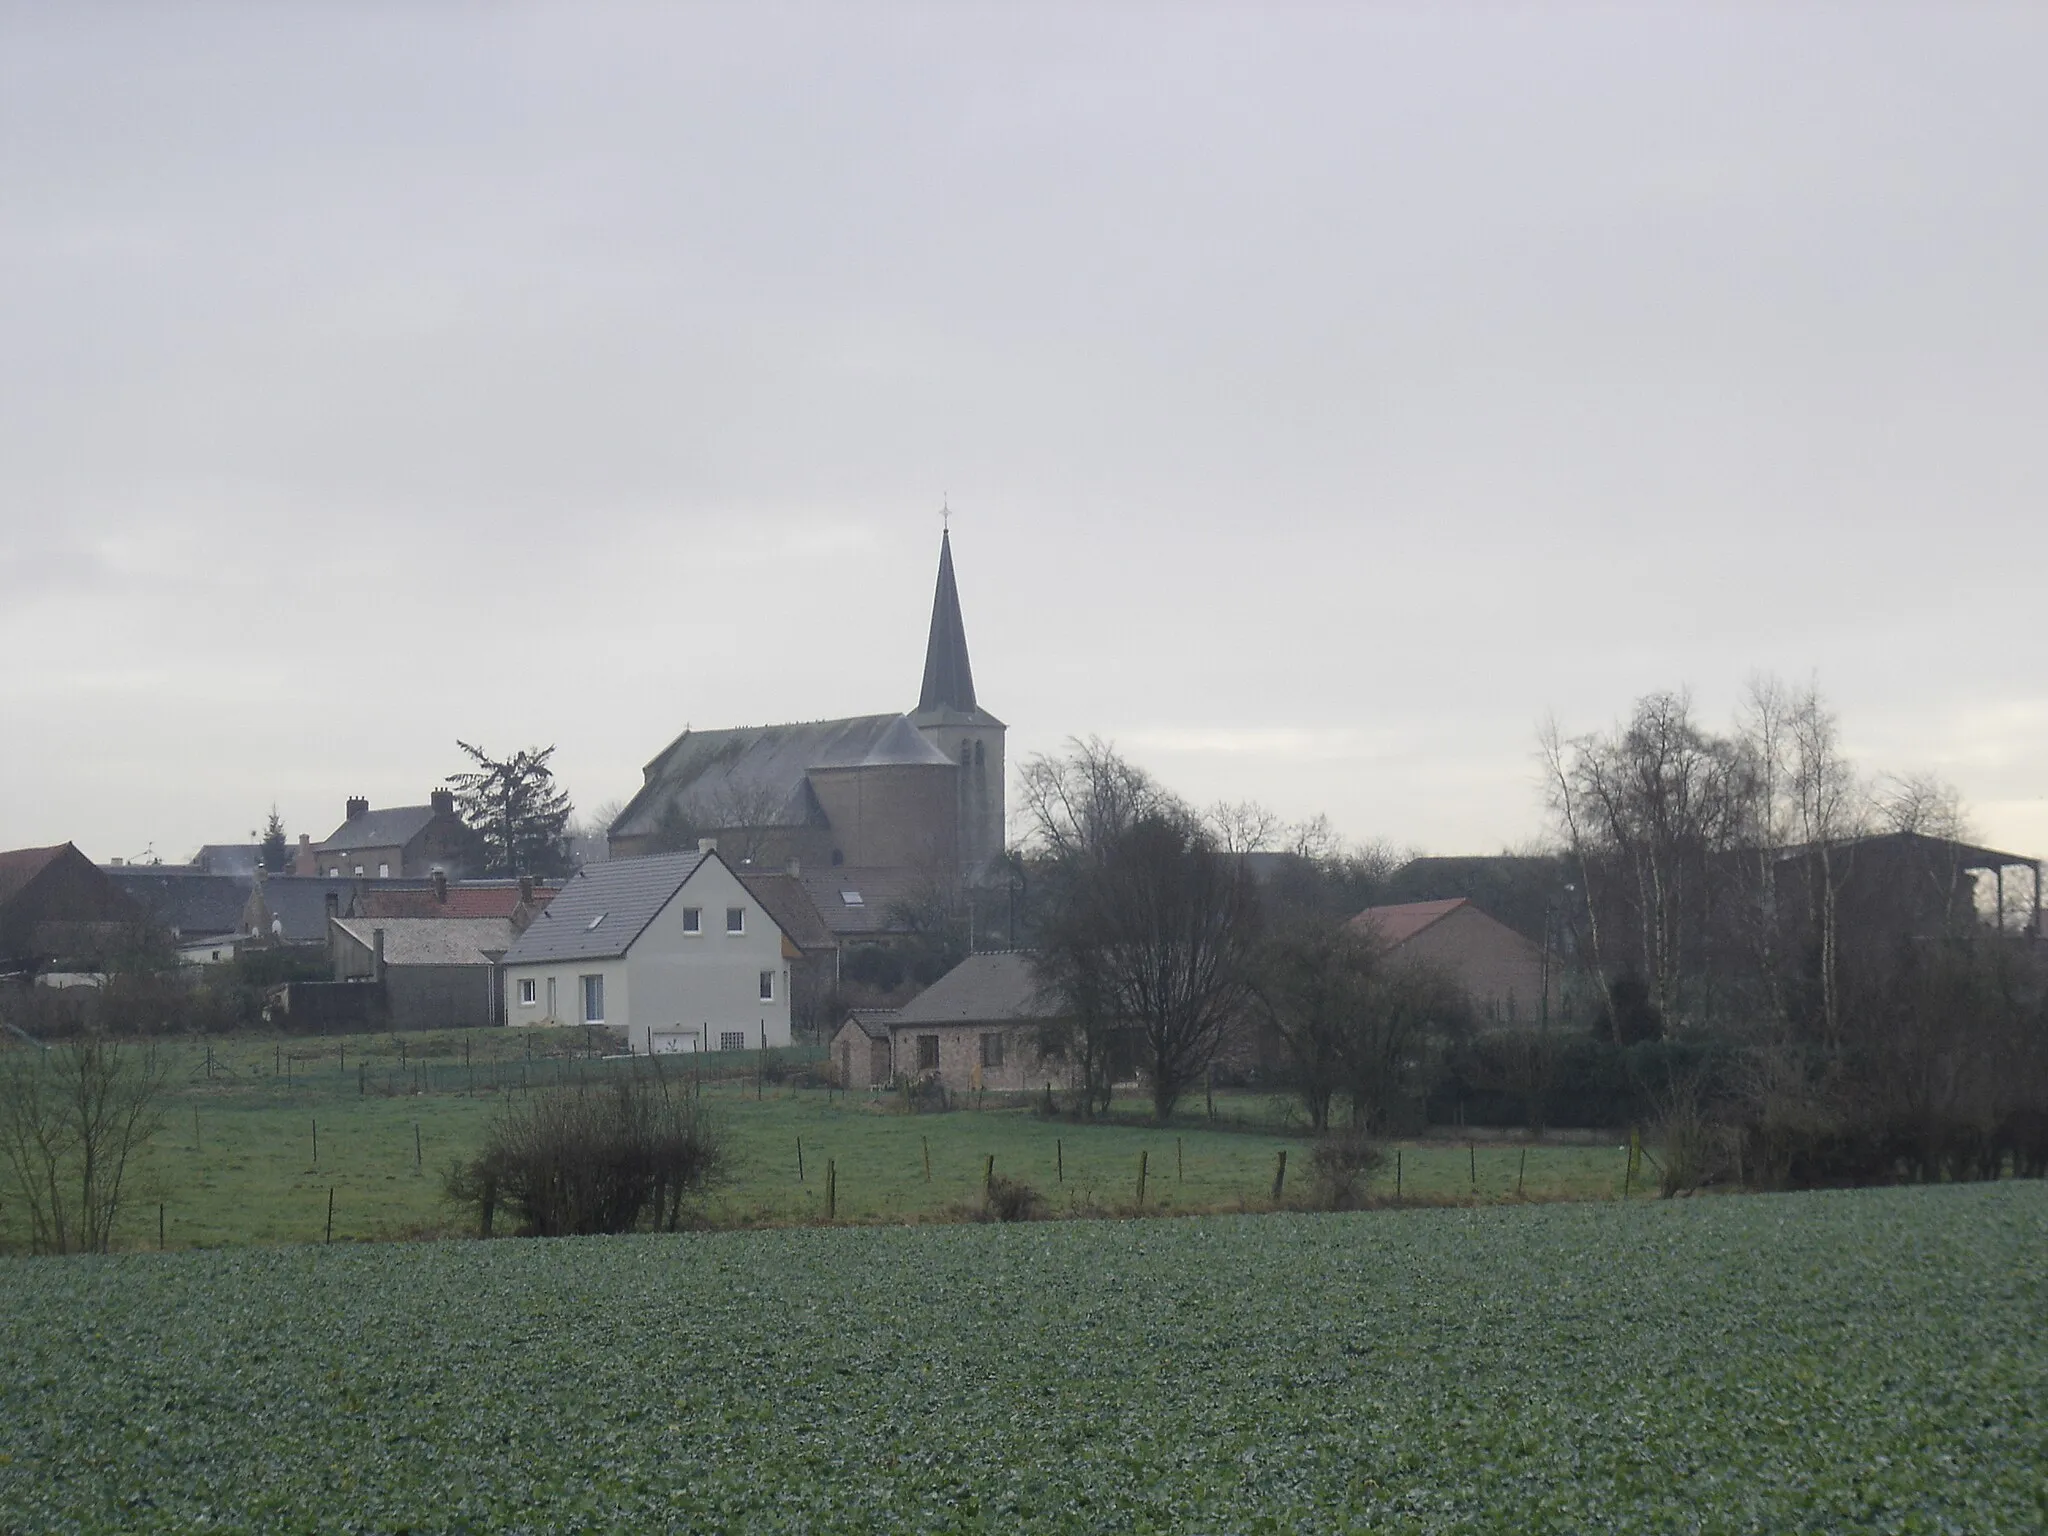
{"type": "Point", "coordinates": [1314, 989]}
{"type": "Point", "coordinates": [1244, 826]}
{"type": "Point", "coordinates": [1077, 803]}
{"type": "Point", "coordinates": [72, 1119]}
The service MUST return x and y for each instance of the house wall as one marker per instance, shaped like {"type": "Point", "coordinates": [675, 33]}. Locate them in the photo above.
{"type": "Point", "coordinates": [1500, 970]}
{"type": "Point", "coordinates": [858, 1059]}
{"type": "Point", "coordinates": [366, 861]}
{"type": "Point", "coordinates": [673, 985]}
{"type": "Point", "coordinates": [960, 1066]}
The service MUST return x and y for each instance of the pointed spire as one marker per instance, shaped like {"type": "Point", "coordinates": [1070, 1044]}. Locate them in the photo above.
{"type": "Point", "coordinates": [948, 680]}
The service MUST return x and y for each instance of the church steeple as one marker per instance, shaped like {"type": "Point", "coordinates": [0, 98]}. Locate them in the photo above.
{"type": "Point", "coordinates": [948, 679]}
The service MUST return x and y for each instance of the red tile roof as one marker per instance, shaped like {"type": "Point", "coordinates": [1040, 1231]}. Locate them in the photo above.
{"type": "Point", "coordinates": [1398, 924]}
{"type": "Point", "coordinates": [494, 900]}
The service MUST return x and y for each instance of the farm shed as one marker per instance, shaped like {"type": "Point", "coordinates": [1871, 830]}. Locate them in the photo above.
{"type": "Point", "coordinates": [438, 972]}
{"type": "Point", "coordinates": [860, 1051]}
{"type": "Point", "coordinates": [977, 1027]}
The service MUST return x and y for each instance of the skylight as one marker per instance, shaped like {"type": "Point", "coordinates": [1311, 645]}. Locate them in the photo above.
{"type": "Point", "coordinates": [592, 925]}
{"type": "Point", "coordinates": [852, 898]}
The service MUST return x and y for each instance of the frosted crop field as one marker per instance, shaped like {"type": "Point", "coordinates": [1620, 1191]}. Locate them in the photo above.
{"type": "Point", "coordinates": [1871, 1360]}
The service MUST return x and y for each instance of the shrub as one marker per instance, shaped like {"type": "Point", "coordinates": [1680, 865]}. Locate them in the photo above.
{"type": "Point", "coordinates": [587, 1157]}
{"type": "Point", "coordinates": [1341, 1166]}
{"type": "Point", "coordinates": [1011, 1199]}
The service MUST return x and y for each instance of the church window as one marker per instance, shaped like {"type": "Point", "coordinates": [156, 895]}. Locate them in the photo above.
{"type": "Point", "coordinates": [980, 757]}
{"type": "Point", "coordinates": [966, 755]}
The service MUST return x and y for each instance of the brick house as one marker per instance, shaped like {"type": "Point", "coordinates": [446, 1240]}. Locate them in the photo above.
{"type": "Point", "coordinates": [405, 841]}
{"type": "Point", "coordinates": [976, 1027]}
{"type": "Point", "coordinates": [1500, 970]}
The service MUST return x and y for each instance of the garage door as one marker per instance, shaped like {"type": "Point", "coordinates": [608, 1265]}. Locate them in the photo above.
{"type": "Point", "coordinates": [674, 1042]}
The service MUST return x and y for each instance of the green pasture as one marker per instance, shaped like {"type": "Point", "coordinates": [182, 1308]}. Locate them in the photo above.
{"type": "Point", "coordinates": [236, 1159]}
{"type": "Point", "coordinates": [1857, 1361]}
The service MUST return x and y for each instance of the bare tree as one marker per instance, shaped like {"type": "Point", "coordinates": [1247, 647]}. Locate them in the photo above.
{"type": "Point", "coordinates": [72, 1118]}
{"type": "Point", "coordinates": [1076, 804]}
{"type": "Point", "coordinates": [1313, 987]}
{"type": "Point", "coordinates": [1243, 826]}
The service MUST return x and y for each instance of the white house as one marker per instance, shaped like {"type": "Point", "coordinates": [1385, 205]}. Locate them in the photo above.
{"type": "Point", "coordinates": [671, 949]}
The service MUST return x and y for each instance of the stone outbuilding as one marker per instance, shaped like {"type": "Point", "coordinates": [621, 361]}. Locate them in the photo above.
{"type": "Point", "coordinates": [976, 1028]}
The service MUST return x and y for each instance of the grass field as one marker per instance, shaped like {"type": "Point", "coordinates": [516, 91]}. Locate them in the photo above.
{"type": "Point", "coordinates": [235, 1160]}
{"type": "Point", "coordinates": [1868, 1361]}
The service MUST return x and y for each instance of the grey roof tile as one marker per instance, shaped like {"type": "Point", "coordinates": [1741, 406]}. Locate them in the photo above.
{"type": "Point", "coordinates": [981, 989]}
{"type": "Point", "coordinates": [433, 940]}
{"type": "Point", "coordinates": [625, 893]}
{"type": "Point", "coordinates": [392, 827]}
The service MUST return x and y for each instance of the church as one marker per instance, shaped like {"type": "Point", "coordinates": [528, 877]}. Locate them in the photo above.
{"type": "Point", "coordinates": [876, 801]}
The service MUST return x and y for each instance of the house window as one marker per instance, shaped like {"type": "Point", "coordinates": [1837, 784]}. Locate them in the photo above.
{"type": "Point", "coordinates": [927, 1053]}
{"type": "Point", "coordinates": [359, 870]}
{"type": "Point", "coordinates": [991, 1050]}
{"type": "Point", "coordinates": [334, 874]}
{"type": "Point", "coordinates": [693, 919]}
{"type": "Point", "coordinates": [732, 1040]}
{"type": "Point", "coordinates": [383, 871]}
{"type": "Point", "coordinates": [735, 919]}
{"type": "Point", "coordinates": [527, 990]}
{"type": "Point", "coordinates": [767, 986]}
{"type": "Point", "coordinates": [593, 999]}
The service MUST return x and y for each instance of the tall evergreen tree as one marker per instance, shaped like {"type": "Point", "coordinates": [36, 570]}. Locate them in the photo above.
{"type": "Point", "coordinates": [517, 809]}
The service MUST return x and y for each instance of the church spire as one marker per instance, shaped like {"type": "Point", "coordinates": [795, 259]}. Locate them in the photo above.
{"type": "Point", "coordinates": [948, 680]}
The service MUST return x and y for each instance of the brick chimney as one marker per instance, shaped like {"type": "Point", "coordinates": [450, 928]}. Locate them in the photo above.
{"type": "Point", "coordinates": [526, 890]}
{"type": "Point", "coordinates": [303, 862]}
{"type": "Point", "coordinates": [441, 886]}
{"type": "Point", "coordinates": [443, 801]}
{"type": "Point", "coordinates": [358, 807]}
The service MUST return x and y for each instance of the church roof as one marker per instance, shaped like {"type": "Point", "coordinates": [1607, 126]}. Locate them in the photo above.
{"type": "Point", "coordinates": [753, 775]}
{"type": "Point", "coordinates": [948, 679]}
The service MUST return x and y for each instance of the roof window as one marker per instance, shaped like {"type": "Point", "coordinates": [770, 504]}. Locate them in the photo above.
{"type": "Point", "coordinates": [591, 926]}
{"type": "Point", "coordinates": [852, 898]}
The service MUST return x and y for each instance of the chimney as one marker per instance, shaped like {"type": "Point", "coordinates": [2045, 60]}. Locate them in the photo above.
{"type": "Point", "coordinates": [377, 955]}
{"type": "Point", "coordinates": [303, 862]}
{"type": "Point", "coordinates": [707, 845]}
{"type": "Point", "coordinates": [526, 890]}
{"type": "Point", "coordinates": [441, 886]}
{"type": "Point", "coordinates": [443, 802]}
{"type": "Point", "coordinates": [358, 807]}
{"type": "Point", "coordinates": [333, 905]}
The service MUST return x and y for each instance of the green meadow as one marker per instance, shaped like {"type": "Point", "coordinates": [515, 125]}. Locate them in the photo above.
{"type": "Point", "coordinates": [258, 1132]}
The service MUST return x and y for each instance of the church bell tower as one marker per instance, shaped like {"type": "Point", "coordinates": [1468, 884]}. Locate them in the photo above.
{"type": "Point", "coordinates": [951, 719]}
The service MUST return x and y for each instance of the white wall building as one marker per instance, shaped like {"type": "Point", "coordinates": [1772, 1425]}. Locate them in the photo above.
{"type": "Point", "coordinates": [672, 950]}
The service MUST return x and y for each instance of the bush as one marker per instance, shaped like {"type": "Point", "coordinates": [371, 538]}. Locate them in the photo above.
{"type": "Point", "coordinates": [587, 1157]}
{"type": "Point", "coordinates": [1340, 1168]}
{"type": "Point", "coordinates": [1011, 1199]}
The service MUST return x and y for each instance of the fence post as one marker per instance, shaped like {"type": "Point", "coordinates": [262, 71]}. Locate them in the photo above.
{"type": "Point", "coordinates": [419, 1164]}
{"type": "Point", "coordinates": [1179, 1168]}
{"type": "Point", "coordinates": [1059, 1159]}
{"type": "Point", "coordinates": [1143, 1157]}
{"type": "Point", "coordinates": [988, 1174]}
{"type": "Point", "coordinates": [316, 1143]}
{"type": "Point", "coordinates": [1521, 1170]}
{"type": "Point", "coordinates": [799, 1159]}
{"type": "Point", "coordinates": [927, 1158]}
{"type": "Point", "coordinates": [1397, 1173]}
{"type": "Point", "coordinates": [1279, 1174]}
{"type": "Point", "coordinates": [831, 1189]}
{"type": "Point", "coordinates": [1472, 1153]}
{"type": "Point", "coordinates": [159, 1226]}
{"type": "Point", "coordinates": [330, 1213]}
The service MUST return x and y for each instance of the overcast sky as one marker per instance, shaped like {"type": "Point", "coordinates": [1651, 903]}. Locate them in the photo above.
{"type": "Point", "coordinates": [1324, 396]}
